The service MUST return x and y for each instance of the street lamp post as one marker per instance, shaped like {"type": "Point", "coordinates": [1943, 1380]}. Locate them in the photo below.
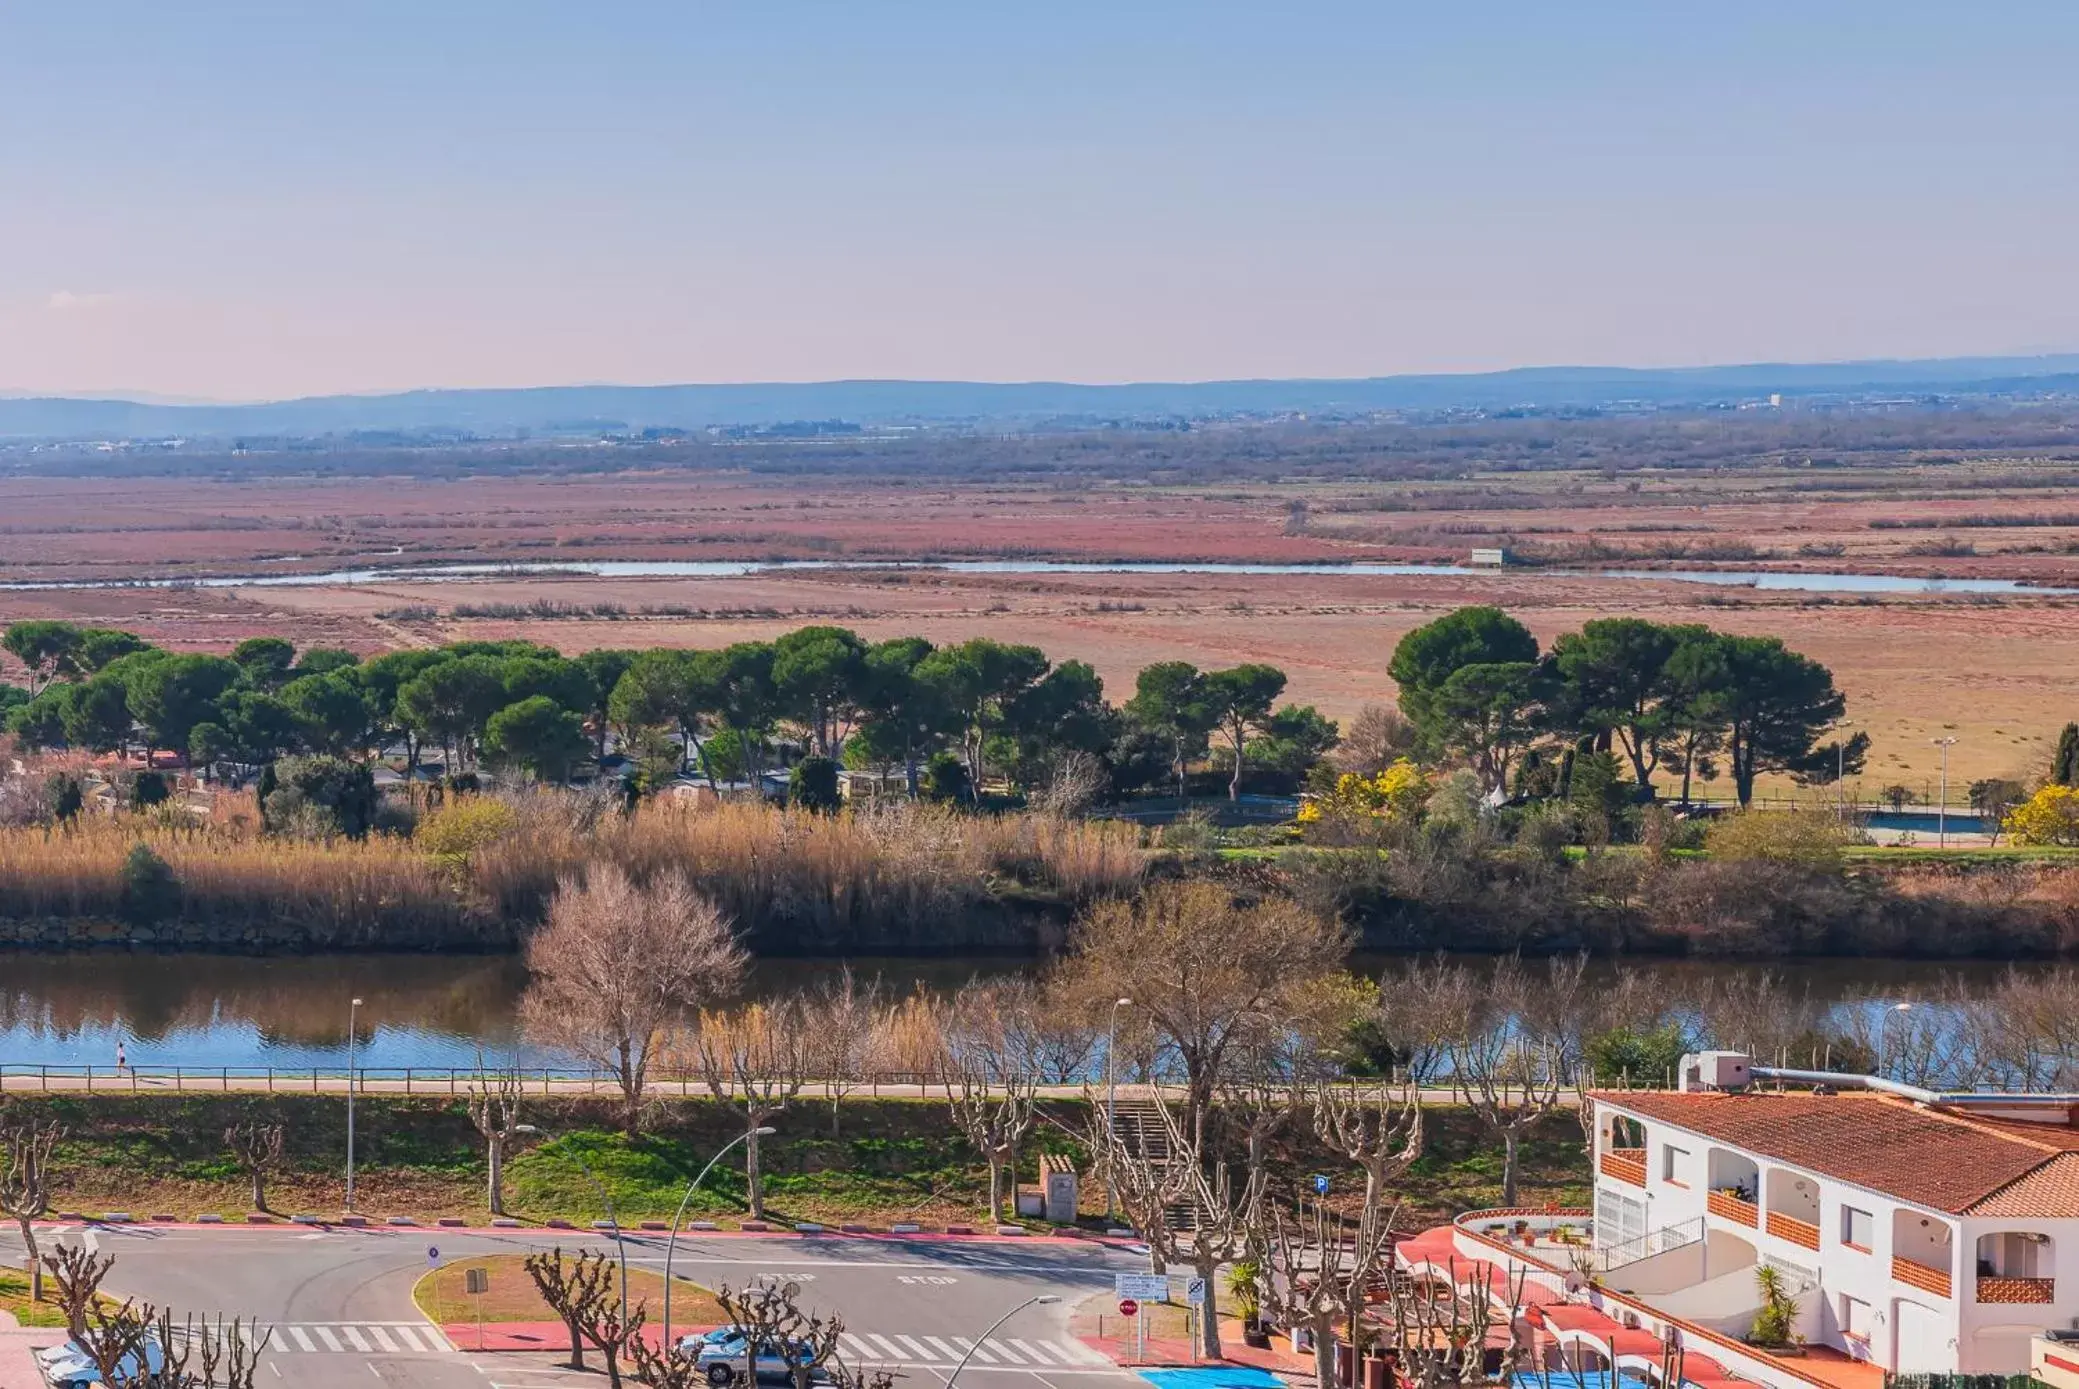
{"type": "Point", "coordinates": [1042, 1300]}
{"type": "Point", "coordinates": [1884, 1030]}
{"type": "Point", "coordinates": [1942, 805]}
{"type": "Point", "coordinates": [1111, 1094]}
{"type": "Point", "coordinates": [353, 1036]}
{"type": "Point", "coordinates": [671, 1245]}
{"type": "Point", "coordinates": [620, 1245]}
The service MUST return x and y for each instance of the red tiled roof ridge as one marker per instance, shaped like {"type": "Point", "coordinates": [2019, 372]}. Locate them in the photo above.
{"type": "Point", "coordinates": [1912, 1152]}
{"type": "Point", "coordinates": [1998, 1130]}
{"type": "Point", "coordinates": [2003, 1129]}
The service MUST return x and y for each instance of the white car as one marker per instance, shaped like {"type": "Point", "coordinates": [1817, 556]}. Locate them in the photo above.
{"type": "Point", "coordinates": [67, 1365]}
{"type": "Point", "coordinates": [720, 1356]}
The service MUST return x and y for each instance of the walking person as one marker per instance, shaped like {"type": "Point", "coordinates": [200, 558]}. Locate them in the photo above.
{"type": "Point", "coordinates": [122, 1058]}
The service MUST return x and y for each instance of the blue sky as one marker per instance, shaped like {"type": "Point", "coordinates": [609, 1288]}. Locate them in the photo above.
{"type": "Point", "coordinates": [241, 201]}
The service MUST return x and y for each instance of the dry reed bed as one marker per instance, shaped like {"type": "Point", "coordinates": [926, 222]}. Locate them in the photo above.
{"type": "Point", "coordinates": [900, 876]}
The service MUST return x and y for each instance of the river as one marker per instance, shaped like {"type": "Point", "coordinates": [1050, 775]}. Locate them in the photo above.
{"type": "Point", "coordinates": [724, 569]}
{"type": "Point", "coordinates": [437, 1011]}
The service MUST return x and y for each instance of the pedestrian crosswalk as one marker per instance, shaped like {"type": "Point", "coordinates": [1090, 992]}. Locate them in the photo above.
{"type": "Point", "coordinates": [360, 1338]}
{"type": "Point", "coordinates": [867, 1348]}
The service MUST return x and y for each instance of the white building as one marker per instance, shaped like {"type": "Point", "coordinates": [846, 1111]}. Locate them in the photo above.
{"type": "Point", "coordinates": [1925, 1232]}
{"type": "Point", "coordinates": [1916, 1232]}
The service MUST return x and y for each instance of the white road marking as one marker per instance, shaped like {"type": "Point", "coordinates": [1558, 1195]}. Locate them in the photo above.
{"type": "Point", "coordinates": [1039, 1357]}
{"type": "Point", "coordinates": [981, 1351]}
{"type": "Point", "coordinates": [324, 1333]}
{"type": "Point", "coordinates": [924, 1357]}
{"type": "Point", "coordinates": [353, 1333]}
{"type": "Point", "coordinates": [275, 1342]}
{"type": "Point", "coordinates": [382, 1338]}
{"type": "Point", "coordinates": [887, 1347]}
{"type": "Point", "coordinates": [952, 1355]}
{"type": "Point", "coordinates": [302, 1339]}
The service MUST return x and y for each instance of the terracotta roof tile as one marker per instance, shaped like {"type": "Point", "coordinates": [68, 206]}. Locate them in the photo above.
{"type": "Point", "coordinates": [2050, 1192]}
{"type": "Point", "coordinates": [1928, 1157]}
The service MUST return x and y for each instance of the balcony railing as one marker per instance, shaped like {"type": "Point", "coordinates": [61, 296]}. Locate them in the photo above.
{"type": "Point", "coordinates": [1799, 1232]}
{"type": "Point", "coordinates": [1727, 1206]}
{"type": "Point", "coordinates": [1993, 1288]}
{"type": "Point", "coordinates": [1625, 1164]}
{"type": "Point", "coordinates": [1925, 1277]}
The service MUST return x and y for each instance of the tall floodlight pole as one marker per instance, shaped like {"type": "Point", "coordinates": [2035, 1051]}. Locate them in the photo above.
{"type": "Point", "coordinates": [1942, 806]}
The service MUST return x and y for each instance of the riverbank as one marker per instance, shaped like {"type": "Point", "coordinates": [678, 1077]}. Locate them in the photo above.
{"type": "Point", "coordinates": [929, 882]}
{"type": "Point", "coordinates": [864, 1161]}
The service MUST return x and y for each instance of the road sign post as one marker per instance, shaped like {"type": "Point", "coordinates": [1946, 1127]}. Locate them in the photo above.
{"type": "Point", "coordinates": [477, 1282]}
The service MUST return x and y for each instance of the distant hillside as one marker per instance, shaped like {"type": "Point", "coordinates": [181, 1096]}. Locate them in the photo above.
{"type": "Point", "coordinates": [593, 409]}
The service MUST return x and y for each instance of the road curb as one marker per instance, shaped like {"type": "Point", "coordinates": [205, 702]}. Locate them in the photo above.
{"type": "Point", "coordinates": [405, 1225]}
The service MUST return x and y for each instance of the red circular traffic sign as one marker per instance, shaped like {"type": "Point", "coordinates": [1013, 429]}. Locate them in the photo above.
{"type": "Point", "coordinates": [1128, 1307]}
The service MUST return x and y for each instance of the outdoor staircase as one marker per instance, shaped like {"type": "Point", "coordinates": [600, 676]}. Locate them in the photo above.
{"type": "Point", "coordinates": [1140, 1130]}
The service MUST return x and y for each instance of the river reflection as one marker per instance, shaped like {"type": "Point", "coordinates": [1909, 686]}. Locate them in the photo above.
{"type": "Point", "coordinates": [72, 1009]}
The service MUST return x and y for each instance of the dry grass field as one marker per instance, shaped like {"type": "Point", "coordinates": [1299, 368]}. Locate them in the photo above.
{"type": "Point", "coordinates": [1994, 673]}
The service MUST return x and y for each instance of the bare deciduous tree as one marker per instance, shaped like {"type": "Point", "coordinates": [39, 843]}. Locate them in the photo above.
{"type": "Point", "coordinates": [256, 1145]}
{"type": "Point", "coordinates": [757, 1059]}
{"type": "Point", "coordinates": [138, 1346]}
{"type": "Point", "coordinates": [843, 1035]}
{"type": "Point", "coordinates": [1508, 1067]}
{"type": "Point", "coordinates": [25, 1186]}
{"type": "Point", "coordinates": [617, 967]}
{"type": "Point", "coordinates": [574, 1289]}
{"type": "Point", "coordinates": [1367, 1125]}
{"type": "Point", "coordinates": [1225, 1221]}
{"type": "Point", "coordinates": [1208, 973]}
{"type": "Point", "coordinates": [1146, 1180]}
{"type": "Point", "coordinates": [1320, 1271]}
{"type": "Point", "coordinates": [1440, 1335]}
{"type": "Point", "coordinates": [990, 1088]}
{"type": "Point", "coordinates": [604, 1327]}
{"type": "Point", "coordinates": [77, 1275]}
{"type": "Point", "coordinates": [494, 1107]}
{"type": "Point", "coordinates": [770, 1314]}
{"type": "Point", "coordinates": [1374, 739]}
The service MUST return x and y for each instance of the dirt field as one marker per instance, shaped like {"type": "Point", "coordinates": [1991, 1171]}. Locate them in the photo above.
{"type": "Point", "coordinates": [1993, 673]}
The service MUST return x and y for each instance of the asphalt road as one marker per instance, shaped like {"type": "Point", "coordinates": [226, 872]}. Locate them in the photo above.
{"type": "Point", "coordinates": [340, 1300]}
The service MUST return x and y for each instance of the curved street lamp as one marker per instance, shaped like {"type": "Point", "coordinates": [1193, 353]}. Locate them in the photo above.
{"type": "Point", "coordinates": [620, 1245]}
{"type": "Point", "coordinates": [671, 1245]}
{"type": "Point", "coordinates": [1041, 1300]}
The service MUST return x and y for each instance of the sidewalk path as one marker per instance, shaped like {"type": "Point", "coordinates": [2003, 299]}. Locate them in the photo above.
{"type": "Point", "coordinates": [17, 1362]}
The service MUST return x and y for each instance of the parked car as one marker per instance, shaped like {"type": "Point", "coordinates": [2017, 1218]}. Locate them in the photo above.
{"type": "Point", "coordinates": [719, 1355]}
{"type": "Point", "coordinates": [67, 1365]}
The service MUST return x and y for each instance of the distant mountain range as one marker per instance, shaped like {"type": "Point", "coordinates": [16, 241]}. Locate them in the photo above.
{"type": "Point", "coordinates": [594, 409]}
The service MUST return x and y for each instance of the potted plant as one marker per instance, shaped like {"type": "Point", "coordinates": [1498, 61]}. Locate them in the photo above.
{"type": "Point", "coordinates": [1248, 1303]}
{"type": "Point", "coordinates": [1772, 1330]}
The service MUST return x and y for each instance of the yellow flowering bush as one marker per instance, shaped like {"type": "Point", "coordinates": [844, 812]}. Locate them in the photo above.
{"type": "Point", "coordinates": [2051, 816]}
{"type": "Point", "coordinates": [1398, 794]}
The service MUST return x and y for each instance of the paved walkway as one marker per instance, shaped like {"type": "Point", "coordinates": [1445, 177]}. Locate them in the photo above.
{"type": "Point", "coordinates": [17, 1363]}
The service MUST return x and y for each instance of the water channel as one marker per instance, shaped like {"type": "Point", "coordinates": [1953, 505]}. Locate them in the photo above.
{"type": "Point", "coordinates": [437, 1011]}
{"type": "Point", "coordinates": [651, 569]}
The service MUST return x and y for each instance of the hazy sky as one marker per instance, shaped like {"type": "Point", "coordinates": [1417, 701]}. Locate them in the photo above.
{"type": "Point", "coordinates": [259, 200]}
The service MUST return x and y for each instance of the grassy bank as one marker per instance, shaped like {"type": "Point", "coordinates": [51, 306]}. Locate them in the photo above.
{"type": "Point", "coordinates": [882, 1161]}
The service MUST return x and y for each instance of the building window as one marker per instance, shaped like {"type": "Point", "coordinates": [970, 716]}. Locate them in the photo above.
{"type": "Point", "coordinates": [1672, 1161]}
{"type": "Point", "coordinates": [1855, 1318]}
{"type": "Point", "coordinates": [1858, 1228]}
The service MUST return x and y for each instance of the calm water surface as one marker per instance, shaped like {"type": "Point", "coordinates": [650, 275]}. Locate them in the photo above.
{"type": "Point", "coordinates": [71, 1009]}
{"type": "Point", "coordinates": [455, 573]}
